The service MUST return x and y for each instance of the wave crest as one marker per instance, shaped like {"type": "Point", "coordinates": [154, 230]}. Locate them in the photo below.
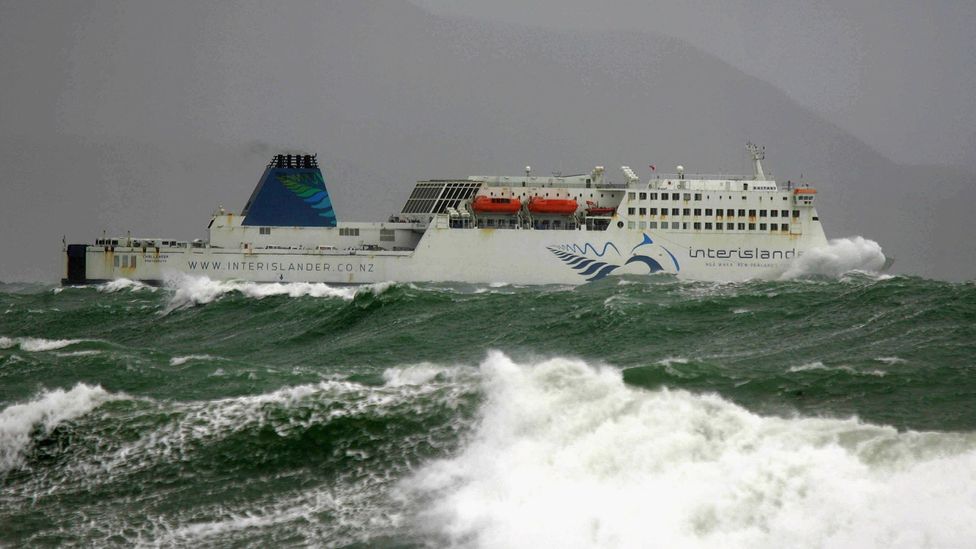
{"type": "Point", "coordinates": [46, 412]}
{"type": "Point", "coordinates": [566, 455]}
{"type": "Point", "coordinates": [190, 291]}
{"type": "Point", "coordinates": [36, 344]}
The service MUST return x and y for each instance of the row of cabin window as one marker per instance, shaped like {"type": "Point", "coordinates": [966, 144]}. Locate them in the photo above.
{"type": "Point", "coordinates": [708, 212]}
{"type": "Point", "coordinates": [674, 196]}
{"type": "Point", "coordinates": [709, 226]}
{"type": "Point", "coordinates": [346, 231]}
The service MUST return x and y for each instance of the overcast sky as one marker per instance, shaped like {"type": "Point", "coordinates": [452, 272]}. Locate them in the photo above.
{"type": "Point", "coordinates": [125, 115]}
{"type": "Point", "coordinates": [899, 74]}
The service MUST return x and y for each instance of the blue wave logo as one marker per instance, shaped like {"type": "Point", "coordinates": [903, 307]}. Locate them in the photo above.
{"type": "Point", "coordinates": [314, 195]}
{"type": "Point", "coordinates": [594, 269]}
{"type": "Point", "coordinates": [575, 248]}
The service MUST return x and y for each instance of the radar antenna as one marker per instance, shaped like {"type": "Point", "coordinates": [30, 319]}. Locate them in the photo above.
{"type": "Point", "coordinates": [758, 155]}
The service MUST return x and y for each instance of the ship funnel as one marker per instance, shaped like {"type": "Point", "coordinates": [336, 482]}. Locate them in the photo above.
{"type": "Point", "coordinates": [291, 193]}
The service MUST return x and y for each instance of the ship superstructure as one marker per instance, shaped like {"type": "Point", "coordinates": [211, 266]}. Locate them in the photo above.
{"type": "Point", "coordinates": [523, 229]}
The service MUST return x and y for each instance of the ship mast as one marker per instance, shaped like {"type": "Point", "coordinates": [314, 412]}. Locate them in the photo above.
{"type": "Point", "coordinates": [758, 155]}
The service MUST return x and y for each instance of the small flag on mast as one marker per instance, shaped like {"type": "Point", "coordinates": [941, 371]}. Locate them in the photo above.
{"type": "Point", "coordinates": [653, 168]}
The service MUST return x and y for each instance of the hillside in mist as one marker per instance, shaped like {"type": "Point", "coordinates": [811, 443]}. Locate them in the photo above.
{"type": "Point", "coordinates": [146, 117]}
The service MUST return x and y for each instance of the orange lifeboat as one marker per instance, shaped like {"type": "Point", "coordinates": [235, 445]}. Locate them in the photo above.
{"type": "Point", "coordinates": [487, 204]}
{"type": "Point", "coordinates": [596, 209]}
{"type": "Point", "coordinates": [552, 206]}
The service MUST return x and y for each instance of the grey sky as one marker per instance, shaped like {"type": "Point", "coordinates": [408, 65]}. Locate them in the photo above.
{"type": "Point", "coordinates": [898, 74]}
{"type": "Point", "coordinates": [141, 116]}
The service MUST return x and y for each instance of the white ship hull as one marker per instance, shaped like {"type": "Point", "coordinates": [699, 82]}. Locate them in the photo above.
{"type": "Point", "coordinates": [477, 256]}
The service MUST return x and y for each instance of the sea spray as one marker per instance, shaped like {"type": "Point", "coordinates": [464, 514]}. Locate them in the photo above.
{"type": "Point", "coordinates": [566, 455]}
{"type": "Point", "coordinates": [841, 255]}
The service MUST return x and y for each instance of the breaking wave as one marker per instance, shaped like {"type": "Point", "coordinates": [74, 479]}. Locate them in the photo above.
{"type": "Point", "coordinates": [45, 412]}
{"type": "Point", "coordinates": [189, 291]}
{"type": "Point", "coordinates": [566, 455]}
{"type": "Point", "coordinates": [35, 344]}
{"type": "Point", "coordinates": [839, 256]}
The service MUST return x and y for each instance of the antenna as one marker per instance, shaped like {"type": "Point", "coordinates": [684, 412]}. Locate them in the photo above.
{"type": "Point", "coordinates": [528, 171]}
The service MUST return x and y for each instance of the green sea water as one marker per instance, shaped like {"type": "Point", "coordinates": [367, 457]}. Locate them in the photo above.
{"type": "Point", "coordinates": [630, 412]}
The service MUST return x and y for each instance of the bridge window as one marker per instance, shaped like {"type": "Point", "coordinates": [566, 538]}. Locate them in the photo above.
{"type": "Point", "coordinates": [630, 211]}
{"type": "Point", "coordinates": [742, 226]}
{"type": "Point", "coordinates": [708, 211]}
{"type": "Point", "coordinates": [708, 226]}
{"type": "Point", "coordinates": [346, 231]}
{"type": "Point", "coordinates": [762, 226]}
{"type": "Point", "coordinates": [796, 214]}
{"type": "Point", "coordinates": [674, 211]}
{"type": "Point", "coordinates": [785, 213]}
{"type": "Point", "coordinates": [686, 211]}
{"type": "Point", "coordinates": [653, 196]}
{"type": "Point", "coordinates": [697, 196]}
{"type": "Point", "coordinates": [742, 213]}
{"type": "Point", "coordinates": [730, 226]}
{"type": "Point", "coordinates": [687, 196]}
{"type": "Point", "coordinates": [729, 213]}
{"type": "Point", "coordinates": [773, 213]}
{"type": "Point", "coordinates": [265, 230]}
{"type": "Point", "coordinates": [631, 196]}
{"type": "Point", "coordinates": [784, 227]}
{"type": "Point", "coordinates": [752, 213]}
{"type": "Point", "coordinates": [643, 211]}
{"type": "Point", "coordinates": [675, 196]}
{"type": "Point", "coordinates": [697, 226]}
{"type": "Point", "coordinates": [697, 211]}
{"type": "Point", "coordinates": [643, 196]}
{"type": "Point", "coordinates": [653, 211]}
{"type": "Point", "coordinates": [752, 226]}
{"type": "Point", "coordinates": [762, 213]}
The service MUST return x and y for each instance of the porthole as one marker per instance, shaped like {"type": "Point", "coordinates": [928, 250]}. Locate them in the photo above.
{"type": "Point", "coordinates": [620, 224]}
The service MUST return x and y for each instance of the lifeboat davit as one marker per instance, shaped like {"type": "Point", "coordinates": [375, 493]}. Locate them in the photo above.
{"type": "Point", "coordinates": [487, 204]}
{"type": "Point", "coordinates": [556, 206]}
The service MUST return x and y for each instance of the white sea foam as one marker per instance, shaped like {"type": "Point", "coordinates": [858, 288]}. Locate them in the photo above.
{"type": "Point", "coordinates": [890, 360]}
{"type": "Point", "coordinates": [46, 411]}
{"type": "Point", "coordinates": [88, 352]}
{"type": "Point", "coordinates": [181, 360]}
{"type": "Point", "coordinates": [567, 455]}
{"type": "Point", "coordinates": [320, 402]}
{"type": "Point", "coordinates": [121, 284]}
{"type": "Point", "coordinates": [839, 256]}
{"type": "Point", "coordinates": [196, 290]}
{"type": "Point", "coordinates": [817, 365]}
{"type": "Point", "coordinates": [35, 344]}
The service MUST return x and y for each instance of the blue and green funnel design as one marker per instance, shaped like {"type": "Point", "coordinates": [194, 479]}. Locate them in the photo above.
{"type": "Point", "coordinates": [290, 196]}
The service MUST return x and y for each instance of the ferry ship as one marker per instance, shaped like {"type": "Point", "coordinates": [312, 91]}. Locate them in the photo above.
{"type": "Point", "coordinates": [524, 229]}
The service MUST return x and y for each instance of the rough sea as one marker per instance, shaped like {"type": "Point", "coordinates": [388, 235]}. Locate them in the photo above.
{"type": "Point", "coordinates": [833, 409]}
